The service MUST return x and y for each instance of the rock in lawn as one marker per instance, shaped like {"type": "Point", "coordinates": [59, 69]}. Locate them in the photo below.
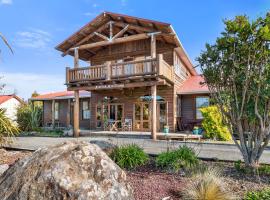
{"type": "Point", "coordinates": [107, 147]}
{"type": "Point", "coordinates": [72, 170]}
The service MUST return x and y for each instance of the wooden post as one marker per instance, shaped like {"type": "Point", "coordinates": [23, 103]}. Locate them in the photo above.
{"type": "Point", "coordinates": [159, 64]}
{"type": "Point", "coordinates": [76, 114]}
{"type": "Point", "coordinates": [154, 91]}
{"type": "Point", "coordinates": [154, 112]}
{"type": "Point", "coordinates": [67, 75]}
{"type": "Point", "coordinates": [108, 66]}
{"type": "Point", "coordinates": [77, 99]}
{"type": "Point", "coordinates": [53, 113]}
{"type": "Point", "coordinates": [76, 58]}
{"type": "Point", "coordinates": [153, 46]}
{"type": "Point", "coordinates": [68, 113]}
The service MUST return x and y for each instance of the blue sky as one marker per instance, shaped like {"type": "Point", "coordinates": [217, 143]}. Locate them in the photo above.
{"type": "Point", "coordinates": [35, 27]}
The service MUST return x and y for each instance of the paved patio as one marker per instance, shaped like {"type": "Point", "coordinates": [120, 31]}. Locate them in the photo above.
{"type": "Point", "coordinates": [227, 152]}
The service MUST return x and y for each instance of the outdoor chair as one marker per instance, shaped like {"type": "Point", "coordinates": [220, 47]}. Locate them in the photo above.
{"type": "Point", "coordinates": [127, 125]}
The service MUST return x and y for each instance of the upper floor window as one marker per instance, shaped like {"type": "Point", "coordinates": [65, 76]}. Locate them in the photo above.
{"type": "Point", "coordinates": [85, 110]}
{"type": "Point", "coordinates": [200, 103]}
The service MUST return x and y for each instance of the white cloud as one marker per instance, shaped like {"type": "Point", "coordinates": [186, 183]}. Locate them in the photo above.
{"type": "Point", "coordinates": [34, 38]}
{"type": "Point", "coordinates": [90, 14]}
{"type": "Point", "coordinates": [123, 2]}
{"type": "Point", "coordinates": [23, 84]}
{"type": "Point", "coordinates": [6, 2]}
{"type": "Point", "coordinates": [95, 5]}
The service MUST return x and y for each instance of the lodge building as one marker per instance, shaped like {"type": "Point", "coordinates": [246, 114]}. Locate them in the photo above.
{"type": "Point", "coordinates": [137, 72]}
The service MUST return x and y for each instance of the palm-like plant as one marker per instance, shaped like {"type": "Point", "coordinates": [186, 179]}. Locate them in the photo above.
{"type": "Point", "coordinates": [7, 128]}
{"type": "Point", "coordinates": [29, 117]}
{"type": "Point", "coordinates": [6, 42]}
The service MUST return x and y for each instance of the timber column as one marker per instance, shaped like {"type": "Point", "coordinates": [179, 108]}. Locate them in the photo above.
{"type": "Point", "coordinates": [77, 99]}
{"type": "Point", "coordinates": [154, 92]}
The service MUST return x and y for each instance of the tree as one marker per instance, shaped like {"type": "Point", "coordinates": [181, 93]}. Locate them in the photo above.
{"type": "Point", "coordinates": [35, 94]}
{"type": "Point", "coordinates": [237, 71]}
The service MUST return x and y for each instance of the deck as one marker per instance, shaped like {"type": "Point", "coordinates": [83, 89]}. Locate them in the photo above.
{"type": "Point", "coordinates": [183, 136]}
{"type": "Point", "coordinates": [121, 75]}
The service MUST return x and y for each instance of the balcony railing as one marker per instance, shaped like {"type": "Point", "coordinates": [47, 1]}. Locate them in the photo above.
{"type": "Point", "coordinates": [147, 67]}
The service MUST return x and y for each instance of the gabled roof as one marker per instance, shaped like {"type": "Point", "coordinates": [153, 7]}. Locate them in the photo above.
{"type": "Point", "coordinates": [4, 98]}
{"type": "Point", "coordinates": [100, 24]}
{"type": "Point", "coordinates": [194, 85]}
{"type": "Point", "coordinates": [60, 95]}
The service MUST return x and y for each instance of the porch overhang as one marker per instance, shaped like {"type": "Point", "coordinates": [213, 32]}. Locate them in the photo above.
{"type": "Point", "coordinates": [194, 85]}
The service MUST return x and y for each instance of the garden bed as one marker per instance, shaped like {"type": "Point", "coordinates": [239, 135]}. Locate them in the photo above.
{"type": "Point", "coordinates": [149, 182]}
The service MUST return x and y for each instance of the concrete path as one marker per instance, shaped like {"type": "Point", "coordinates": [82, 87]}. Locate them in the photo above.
{"type": "Point", "coordinates": [205, 150]}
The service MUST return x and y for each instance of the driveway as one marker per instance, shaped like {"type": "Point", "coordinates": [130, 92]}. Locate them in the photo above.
{"type": "Point", "coordinates": [227, 152]}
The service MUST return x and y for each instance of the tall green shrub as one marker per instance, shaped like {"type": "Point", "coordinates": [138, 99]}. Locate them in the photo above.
{"type": "Point", "coordinates": [29, 117]}
{"type": "Point", "coordinates": [183, 157]}
{"type": "Point", "coordinates": [213, 125]}
{"type": "Point", "coordinates": [129, 156]}
{"type": "Point", "coordinates": [7, 128]}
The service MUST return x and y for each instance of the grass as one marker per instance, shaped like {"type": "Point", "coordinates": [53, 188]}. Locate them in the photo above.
{"type": "Point", "coordinates": [183, 157]}
{"type": "Point", "coordinates": [129, 156]}
{"type": "Point", "coordinates": [258, 195]}
{"type": "Point", "coordinates": [44, 133]}
{"type": "Point", "coordinates": [262, 170]}
{"type": "Point", "coordinates": [207, 185]}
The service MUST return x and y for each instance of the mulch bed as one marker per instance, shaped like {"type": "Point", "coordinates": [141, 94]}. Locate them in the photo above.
{"type": "Point", "coordinates": [149, 182]}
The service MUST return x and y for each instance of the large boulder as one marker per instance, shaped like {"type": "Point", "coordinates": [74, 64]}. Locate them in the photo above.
{"type": "Point", "coordinates": [72, 170]}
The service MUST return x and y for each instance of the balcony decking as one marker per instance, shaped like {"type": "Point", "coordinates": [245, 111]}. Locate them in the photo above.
{"type": "Point", "coordinates": [102, 76]}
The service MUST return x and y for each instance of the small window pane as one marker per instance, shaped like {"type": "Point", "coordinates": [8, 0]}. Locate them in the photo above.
{"type": "Point", "coordinates": [85, 105]}
{"type": "Point", "coordinates": [200, 103]}
{"type": "Point", "coordinates": [56, 110]}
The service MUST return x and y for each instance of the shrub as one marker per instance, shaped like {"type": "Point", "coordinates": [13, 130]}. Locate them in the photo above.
{"type": "Point", "coordinates": [183, 157]}
{"type": "Point", "coordinates": [129, 156]}
{"type": "Point", "coordinates": [29, 117]}
{"type": "Point", "coordinates": [262, 169]}
{"type": "Point", "coordinates": [207, 185]}
{"type": "Point", "coordinates": [7, 128]}
{"type": "Point", "coordinates": [258, 195]}
{"type": "Point", "coordinates": [213, 125]}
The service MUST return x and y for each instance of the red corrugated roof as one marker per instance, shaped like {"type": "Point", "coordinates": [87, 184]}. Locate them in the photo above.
{"type": "Point", "coordinates": [59, 95]}
{"type": "Point", "coordinates": [4, 98]}
{"type": "Point", "coordinates": [194, 85]}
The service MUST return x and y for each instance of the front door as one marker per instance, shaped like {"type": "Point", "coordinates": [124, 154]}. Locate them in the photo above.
{"type": "Point", "coordinates": [162, 115]}
{"type": "Point", "coordinates": [112, 111]}
{"type": "Point", "coordinates": [141, 116]}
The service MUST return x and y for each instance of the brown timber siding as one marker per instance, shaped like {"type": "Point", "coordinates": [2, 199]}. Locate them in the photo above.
{"type": "Point", "coordinates": [47, 113]}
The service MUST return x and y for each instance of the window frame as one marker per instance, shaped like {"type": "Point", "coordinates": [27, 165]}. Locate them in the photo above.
{"type": "Point", "coordinates": [56, 111]}
{"type": "Point", "coordinates": [87, 110]}
{"type": "Point", "coordinates": [198, 107]}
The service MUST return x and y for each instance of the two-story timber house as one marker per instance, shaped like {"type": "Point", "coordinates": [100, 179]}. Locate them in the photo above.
{"type": "Point", "coordinates": [138, 73]}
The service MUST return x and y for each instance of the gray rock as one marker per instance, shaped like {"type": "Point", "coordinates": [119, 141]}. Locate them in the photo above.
{"type": "Point", "coordinates": [3, 168]}
{"type": "Point", "coordinates": [107, 147]}
{"type": "Point", "coordinates": [71, 170]}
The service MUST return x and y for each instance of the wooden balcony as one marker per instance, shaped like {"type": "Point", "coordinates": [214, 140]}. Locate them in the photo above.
{"type": "Point", "coordinates": [147, 69]}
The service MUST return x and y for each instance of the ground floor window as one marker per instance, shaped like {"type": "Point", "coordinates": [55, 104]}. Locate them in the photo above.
{"type": "Point", "coordinates": [110, 113]}
{"type": "Point", "coordinates": [85, 110]}
{"type": "Point", "coordinates": [56, 110]}
{"type": "Point", "coordinates": [200, 103]}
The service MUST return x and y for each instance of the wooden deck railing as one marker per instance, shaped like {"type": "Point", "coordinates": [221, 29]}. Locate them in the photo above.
{"type": "Point", "coordinates": [153, 66]}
